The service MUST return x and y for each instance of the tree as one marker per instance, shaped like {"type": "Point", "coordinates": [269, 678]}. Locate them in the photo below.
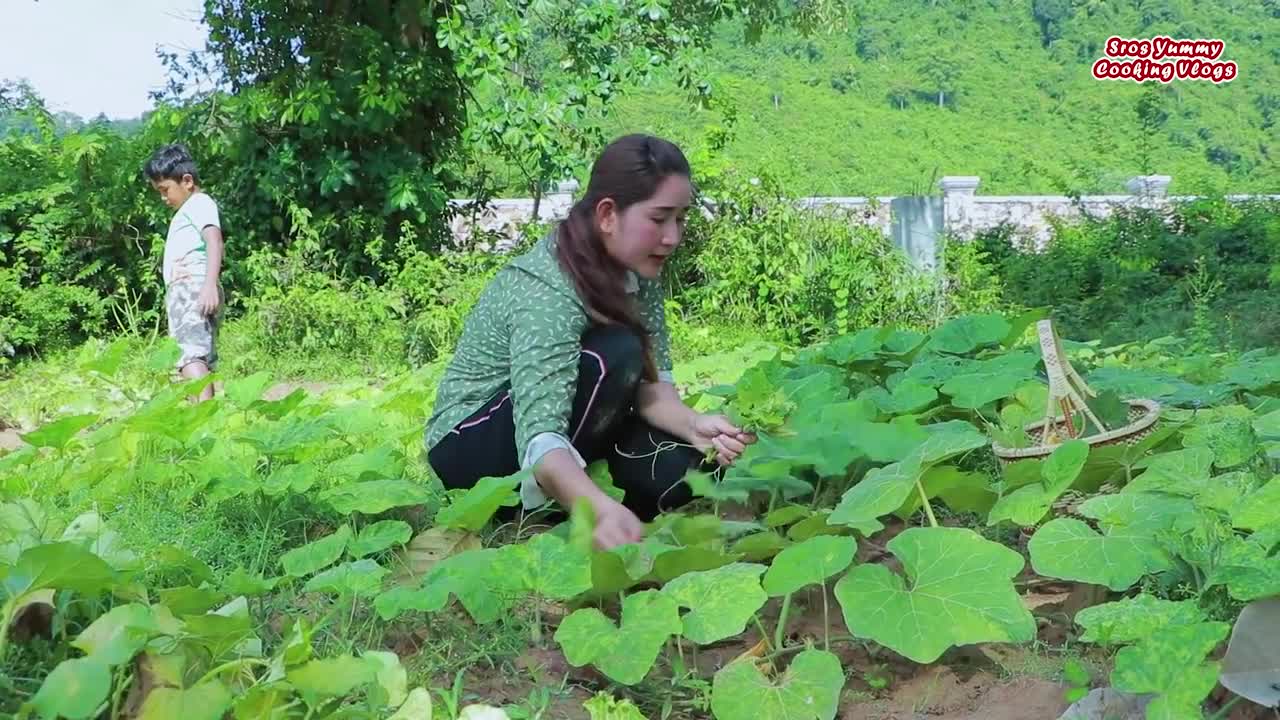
{"type": "Point", "coordinates": [1052, 16]}
{"type": "Point", "coordinates": [347, 122]}
{"type": "Point", "coordinates": [542, 74]}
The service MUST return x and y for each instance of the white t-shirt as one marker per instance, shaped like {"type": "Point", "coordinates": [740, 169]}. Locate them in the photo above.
{"type": "Point", "coordinates": [185, 254]}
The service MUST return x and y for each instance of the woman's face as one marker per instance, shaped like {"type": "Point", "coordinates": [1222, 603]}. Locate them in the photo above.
{"type": "Point", "coordinates": [641, 237]}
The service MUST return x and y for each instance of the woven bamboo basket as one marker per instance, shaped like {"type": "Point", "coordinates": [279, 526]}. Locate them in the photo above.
{"type": "Point", "coordinates": [1066, 392]}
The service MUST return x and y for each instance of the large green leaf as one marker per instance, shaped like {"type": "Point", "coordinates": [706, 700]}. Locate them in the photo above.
{"type": "Point", "coordinates": [476, 577]}
{"type": "Point", "coordinates": [1232, 441]}
{"type": "Point", "coordinates": [380, 463]}
{"type": "Point", "coordinates": [1246, 568]}
{"type": "Point", "coordinates": [378, 537]}
{"type": "Point", "coordinates": [1171, 663]}
{"type": "Point", "coordinates": [855, 347]}
{"type": "Point", "coordinates": [108, 361]}
{"type": "Point", "coordinates": [392, 679]}
{"type": "Point", "coordinates": [59, 433]}
{"type": "Point", "coordinates": [621, 567]}
{"type": "Point", "coordinates": [976, 390]}
{"type": "Point", "coordinates": [90, 532]}
{"type": "Point", "coordinates": [961, 491]}
{"type": "Point", "coordinates": [206, 701]}
{"type": "Point", "coordinates": [624, 654]}
{"type": "Point", "coordinates": [1026, 506]}
{"type": "Point", "coordinates": [1259, 509]}
{"type": "Point", "coordinates": [809, 563]}
{"type": "Point", "coordinates": [245, 391]}
{"type": "Point", "coordinates": [1068, 549]}
{"type": "Point", "coordinates": [965, 334]}
{"type": "Point", "coordinates": [362, 578]}
{"type": "Point", "coordinates": [74, 690]}
{"type": "Point", "coordinates": [286, 436]}
{"type": "Point", "coordinates": [884, 490]}
{"type": "Point", "coordinates": [316, 555]}
{"type": "Point", "coordinates": [58, 566]}
{"type": "Point", "coordinates": [416, 707]}
{"type": "Point", "coordinates": [546, 566]}
{"type": "Point", "coordinates": [760, 546]}
{"type": "Point", "coordinates": [908, 396]}
{"type": "Point", "coordinates": [295, 478]}
{"type": "Point", "coordinates": [376, 496]}
{"type": "Point", "coordinates": [331, 677]}
{"type": "Point", "coordinates": [1135, 618]}
{"type": "Point", "coordinates": [961, 593]}
{"type": "Point", "coordinates": [1172, 472]}
{"type": "Point", "coordinates": [721, 601]}
{"type": "Point", "coordinates": [809, 690]}
{"type": "Point", "coordinates": [473, 510]}
{"type": "Point", "coordinates": [115, 637]}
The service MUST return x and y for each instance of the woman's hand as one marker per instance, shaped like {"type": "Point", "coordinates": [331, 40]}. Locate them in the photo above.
{"type": "Point", "coordinates": [718, 433]}
{"type": "Point", "coordinates": [615, 524]}
{"type": "Point", "coordinates": [561, 478]}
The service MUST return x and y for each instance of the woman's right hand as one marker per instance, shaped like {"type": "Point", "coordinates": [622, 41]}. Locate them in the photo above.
{"type": "Point", "coordinates": [615, 524]}
{"type": "Point", "coordinates": [562, 479]}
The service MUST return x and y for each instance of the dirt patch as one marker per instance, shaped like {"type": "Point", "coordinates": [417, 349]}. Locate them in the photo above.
{"type": "Point", "coordinates": [939, 692]}
{"type": "Point", "coordinates": [9, 440]}
{"type": "Point", "coordinates": [499, 688]}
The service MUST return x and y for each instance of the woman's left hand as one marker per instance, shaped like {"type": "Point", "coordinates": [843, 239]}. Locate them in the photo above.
{"type": "Point", "coordinates": [717, 432]}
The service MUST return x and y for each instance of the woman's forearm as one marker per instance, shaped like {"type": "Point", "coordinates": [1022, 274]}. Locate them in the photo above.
{"type": "Point", "coordinates": [560, 477]}
{"type": "Point", "coordinates": [661, 406]}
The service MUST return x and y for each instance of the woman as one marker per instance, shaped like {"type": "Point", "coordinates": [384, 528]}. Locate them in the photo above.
{"type": "Point", "coordinates": [565, 358]}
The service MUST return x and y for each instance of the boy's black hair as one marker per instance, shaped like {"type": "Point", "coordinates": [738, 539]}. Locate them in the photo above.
{"type": "Point", "coordinates": [171, 162]}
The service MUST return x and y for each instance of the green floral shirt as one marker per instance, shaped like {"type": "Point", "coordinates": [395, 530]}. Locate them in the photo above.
{"type": "Point", "coordinates": [527, 328]}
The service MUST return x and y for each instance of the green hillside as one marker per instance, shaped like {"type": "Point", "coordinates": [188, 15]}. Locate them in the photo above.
{"type": "Point", "coordinates": [908, 92]}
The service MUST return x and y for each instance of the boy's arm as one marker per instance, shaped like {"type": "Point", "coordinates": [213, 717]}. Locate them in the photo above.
{"type": "Point", "coordinates": [209, 300]}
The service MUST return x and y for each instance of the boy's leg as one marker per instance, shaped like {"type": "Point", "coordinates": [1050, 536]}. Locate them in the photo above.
{"type": "Point", "coordinates": [484, 444]}
{"type": "Point", "coordinates": [193, 331]}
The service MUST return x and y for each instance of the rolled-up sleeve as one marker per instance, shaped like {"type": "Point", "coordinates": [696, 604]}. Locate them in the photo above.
{"type": "Point", "coordinates": [545, 344]}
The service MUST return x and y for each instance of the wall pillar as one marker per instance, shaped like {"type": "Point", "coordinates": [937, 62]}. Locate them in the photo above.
{"type": "Point", "coordinates": [957, 199]}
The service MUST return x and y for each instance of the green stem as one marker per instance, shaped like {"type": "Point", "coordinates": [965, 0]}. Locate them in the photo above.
{"type": "Point", "coordinates": [781, 631]}
{"type": "Point", "coordinates": [764, 634]}
{"type": "Point", "coordinates": [262, 546]}
{"type": "Point", "coordinates": [121, 685]}
{"type": "Point", "coordinates": [1222, 713]}
{"type": "Point", "coordinates": [232, 664]}
{"type": "Point", "coordinates": [928, 509]}
{"type": "Point", "coordinates": [6, 616]}
{"type": "Point", "coordinates": [537, 624]}
{"type": "Point", "coordinates": [826, 620]}
{"type": "Point", "coordinates": [802, 647]}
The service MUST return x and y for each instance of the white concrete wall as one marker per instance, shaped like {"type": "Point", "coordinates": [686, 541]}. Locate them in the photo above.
{"type": "Point", "coordinates": [965, 214]}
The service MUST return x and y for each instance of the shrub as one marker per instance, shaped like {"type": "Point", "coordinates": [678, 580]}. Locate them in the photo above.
{"type": "Point", "coordinates": [1206, 268]}
{"type": "Point", "coordinates": [794, 273]}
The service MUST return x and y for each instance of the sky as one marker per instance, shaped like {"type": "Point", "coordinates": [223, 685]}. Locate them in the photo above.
{"type": "Point", "coordinates": [95, 56]}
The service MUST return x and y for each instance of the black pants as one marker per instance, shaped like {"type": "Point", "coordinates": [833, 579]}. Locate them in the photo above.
{"type": "Point", "coordinates": [603, 425]}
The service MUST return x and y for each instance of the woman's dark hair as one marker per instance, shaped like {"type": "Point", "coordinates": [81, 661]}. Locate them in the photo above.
{"type": "Point", "coordinates": [628, 171]}
{"type": "Point", "coordinates": [171, 162]}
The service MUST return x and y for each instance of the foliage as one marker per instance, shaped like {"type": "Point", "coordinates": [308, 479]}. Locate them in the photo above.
{"type": "Point", "coordinates": [1205, 270]}
{"type": "Point", "coordinates": [857, 112]}
{"type": "Point", "coordinates": [852, 439]}
{"type": "Point", "coordinates": [797, 273]}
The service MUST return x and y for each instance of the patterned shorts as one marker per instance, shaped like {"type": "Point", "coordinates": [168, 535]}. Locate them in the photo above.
{"type": "Point", "coordinates": [195, 332]}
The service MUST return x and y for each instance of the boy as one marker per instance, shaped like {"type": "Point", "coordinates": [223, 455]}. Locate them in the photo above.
{"type": "Point", "coordinates": [193, 252]}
